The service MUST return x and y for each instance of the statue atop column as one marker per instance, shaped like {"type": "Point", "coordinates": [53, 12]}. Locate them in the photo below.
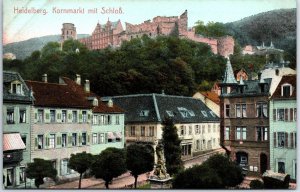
{"type": "Point", "coordinates": [160, 171]}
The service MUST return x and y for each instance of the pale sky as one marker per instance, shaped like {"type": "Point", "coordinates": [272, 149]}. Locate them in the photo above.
{"type": "Point", "coordinates": [19, 26]}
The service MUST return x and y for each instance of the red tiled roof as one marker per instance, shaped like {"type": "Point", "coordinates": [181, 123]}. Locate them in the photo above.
{"type": "Point", "coordinates": [69, 94]}
{"type": "Point", "coordinates": [12, 141]}
{"type": "Point", "coordinates": [290, 79]}
{"type": "Point", "coordinates": [212, 96]}
{"type": "Point", "coordinates": [103, 108]}
{"type": "Point", "coordinates": [57, 95]}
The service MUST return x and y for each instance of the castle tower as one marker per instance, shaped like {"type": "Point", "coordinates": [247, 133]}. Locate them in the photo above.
{"type": "Point", "coordinates": [225, 46]}
{"type": "Point", "coordinates": [183, 24]}
{"type": "Point", "coordinates": [68, 31]}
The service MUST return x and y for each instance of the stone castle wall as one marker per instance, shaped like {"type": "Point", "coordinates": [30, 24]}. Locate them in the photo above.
{"type": "Point", "coordinates": [113, 35]}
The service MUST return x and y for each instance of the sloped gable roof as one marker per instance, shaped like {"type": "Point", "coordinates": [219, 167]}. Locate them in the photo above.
{"type": "Point", "coordinates": [67, 94]}
{"type": "Point", "coordinates": [158, 106]}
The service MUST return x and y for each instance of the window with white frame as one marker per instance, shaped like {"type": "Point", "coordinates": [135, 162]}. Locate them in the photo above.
{"type": "Point", "coordinates": [227, 110]}
{"type": "Point", "coordinates": [94, 138]}
{"type": "Point", "coordinates": [241, 110]}
{"type": "Point", "coordinates": [241, 133]}
{"type": "Point", "coordinates": [74, 139]}
{"type": "Point", "coordinates": [196, 129]}
{"type": "Point", "coordinates": [64, 116]}
{"type": "Point", "coordinates": [261, 110]}
{"type": "Point", "coordinates": [102, 120]}
{"type": "Point", "coordinates": [143, 131]}
{"type": "Point", "coordinates": [10, 116]}
{"type": "Point", "coordinates": [281, 139]}
{"type": "Point", "coordinates": [74, 116]}
{"type": "Point", "coordinates": [151, 131]}
{"type": "Point", "coordinates": [190, 130]}
{"type": "Point", "coordinates": [102, 138]}
{"type": "Point", "coordinates": [203, 129]}
{"type": "Point", "coordinates": [16, 88]}
{"type": "Point", "coordinates": [117, 120]}
{"type": "Point", "coordinates": [261, 133]}
{"type": "Point", "coordinates": [132, 131]}
{"type": "Point", "coordinates": [286, 90]}
{"type": "Point", "coordinates": [22, 114]}
{"type": "Point", "coordinates": [83, 139]}
{"type": "Point", "coordinates": [51, 141]}
{"type": "Point", "coordinates": [182, 130]}
{"type": "Point", "coordinates": [40, 141]}
{"type": "Point", "coordinates": [227, 133]}
{"type": "Point", "coordinates": [63, 140]}
{"type": "Point", "coordinates": [84, 116]}
{"type": "Point", "coordinates": [95, 119]}
{"type": "Point", "coordinates": [64, 167]}
{"type": "Point", "coordinates": [52, 115]}
{"type": "Point", "coordinates": [280, 114]}
{"type": "Point", "coordinates": [40, 115]}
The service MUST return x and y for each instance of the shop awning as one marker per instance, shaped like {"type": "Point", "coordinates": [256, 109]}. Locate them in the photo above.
{"type": "Point", "coordinates": [110, 135]}
{"type": "Point", "coordinates": [12, 141]}
{"type": "Point", "coordinates": [118, 135]}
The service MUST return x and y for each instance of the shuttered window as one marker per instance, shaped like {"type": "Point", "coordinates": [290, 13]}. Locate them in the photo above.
{"type": "Point", "coordinates": [286, 114]}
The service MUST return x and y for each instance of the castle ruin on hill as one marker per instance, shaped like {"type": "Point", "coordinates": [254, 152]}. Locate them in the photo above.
{"type": "Point", "coordinates": [113, 34]}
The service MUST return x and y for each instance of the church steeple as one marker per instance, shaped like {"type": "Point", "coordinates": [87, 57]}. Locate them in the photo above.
{"type": "Point", "coordinates": [229, 76]}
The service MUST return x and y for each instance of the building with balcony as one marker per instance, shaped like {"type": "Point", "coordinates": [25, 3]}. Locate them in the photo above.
{"type": "Point", "coordinates": [197, 125]}
{"type": "Point", "coordinates": [17, 101]}
{"type": "Point", "coordinates": [283, 128]}
{"type": "Point", "coordinates": [245, 120]}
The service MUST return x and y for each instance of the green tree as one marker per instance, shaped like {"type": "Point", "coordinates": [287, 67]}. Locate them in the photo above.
{"type": "Point", "coordinates": [172, 148]}
{"type": "Point", "coordinates": [211, 29]}
{"type": "Point", "coordinates": [108, 164]}
{"type": "Point", "coordinates": [50, 48]}
{"type": "Point", "coordinates": [71, 45]}
{"type": "Point", "coordinates": [197, 177]}
{"type": "Point", "coordinates": [256, 184]}
{"type": "Point", "coordinates": [227, 170]}
{"type": "Point", "coordinates": [39, 169]}
{"type": "Point", "coordinates": [80, 162]}
{"type": "Point", "coordinates": [139, 159]}
{"type": "Point", "coordinates": [218, 172]}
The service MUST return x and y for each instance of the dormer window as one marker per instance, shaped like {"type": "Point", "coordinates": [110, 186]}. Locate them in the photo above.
{"type": "Point", "coordinates": [286, 90]}
{"type": "Point", "coordinates": [95, 102]}
{"type": "Point", "coordinates": [204, 113]}
{"type": "Point", "coordinates": [185, 113]}
{"type": "Point", "coordinates": [212, 113]}
{"type": "Point", "coordinates": [144, 113]}
{"type": "Point", "coordinates": [16, 87]}
{"type": "Point", "coordinates": [170, 113]}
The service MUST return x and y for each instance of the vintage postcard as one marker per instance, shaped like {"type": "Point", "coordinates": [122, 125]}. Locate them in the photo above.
{"type": "Point", "coordinates": [149, 94]}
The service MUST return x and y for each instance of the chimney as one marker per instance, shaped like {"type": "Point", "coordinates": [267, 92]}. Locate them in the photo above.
{"type": "Point", "coordinates": [44, 78]}
{"type": "Point", "coordinates": [259, 75]}
{"type": "Point", "coordinates": [78, 79]}
{"type": "Point", "coordinates": [163, 92]}
{"type": "Point", "coordinates": [110, 103]}
{"type": "Point", "coordinates": [87, 86]}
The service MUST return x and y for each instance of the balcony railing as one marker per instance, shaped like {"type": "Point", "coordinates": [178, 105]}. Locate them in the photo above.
{"type": "Point", "coordinates": [12, 157]}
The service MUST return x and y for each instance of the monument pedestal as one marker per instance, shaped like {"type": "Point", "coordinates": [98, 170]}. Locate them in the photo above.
{"type": "Point", "coordinates": [156, 183]}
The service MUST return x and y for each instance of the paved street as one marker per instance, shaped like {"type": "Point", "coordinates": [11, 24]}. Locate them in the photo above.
{"type": "Point", "coordinates": [126, 180]}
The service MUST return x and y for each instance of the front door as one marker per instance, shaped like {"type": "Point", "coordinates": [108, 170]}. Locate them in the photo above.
{"type": "Point", "coordinates": [263, 163]}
